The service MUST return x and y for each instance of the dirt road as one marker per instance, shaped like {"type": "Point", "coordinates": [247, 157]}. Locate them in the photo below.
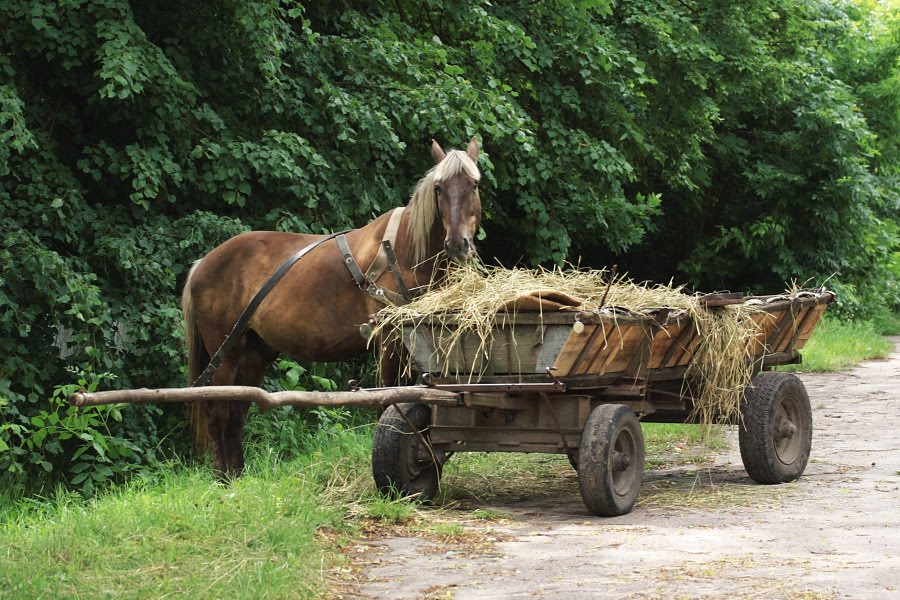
{"type": "Point", "coordinates": [698, 531]}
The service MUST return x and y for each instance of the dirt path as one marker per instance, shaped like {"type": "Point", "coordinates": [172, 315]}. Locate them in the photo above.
{"type": "Point", "coordinates": [698, 531]}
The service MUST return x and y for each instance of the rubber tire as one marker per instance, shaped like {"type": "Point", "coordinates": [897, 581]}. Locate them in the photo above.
{"type": "Point", "coordinates": [610, 428]}
{"type": "Point", "coordinates": [394, 446]}
{"type": "Point", "coordinates": [769, 397]}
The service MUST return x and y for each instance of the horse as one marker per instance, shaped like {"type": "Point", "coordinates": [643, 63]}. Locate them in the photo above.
{"type": "Point", "coordinates": [315, 310]}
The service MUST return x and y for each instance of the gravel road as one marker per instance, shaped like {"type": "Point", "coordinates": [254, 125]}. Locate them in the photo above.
{"type": "Point", "coordinates": [698, 531]}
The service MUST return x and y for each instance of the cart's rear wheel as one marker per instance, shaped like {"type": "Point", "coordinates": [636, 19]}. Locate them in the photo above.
{"type": "Point", "coordinates": [775, 434]}
{"type": "Point", "coordinates": [611, 460]}
{"type": "Point", "coordinates": [401, 462]}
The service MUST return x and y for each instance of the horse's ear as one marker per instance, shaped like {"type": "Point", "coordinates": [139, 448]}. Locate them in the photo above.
{"type": "Point", "coordinates": [472, 150]}
{"type": "Point", "coordinates": [437, 152]}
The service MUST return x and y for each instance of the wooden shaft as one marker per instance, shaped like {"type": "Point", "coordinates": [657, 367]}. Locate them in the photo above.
{"type": "Point", "coordinates": [267, 400]}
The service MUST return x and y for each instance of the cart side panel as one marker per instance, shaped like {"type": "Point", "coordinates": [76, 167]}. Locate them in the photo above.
{"type": "Point", "coordinates": [512, 349]}
{"type": "Point", "coordinates": [674, 345]}
{"type": "Point", "coordinates": [801, 328]}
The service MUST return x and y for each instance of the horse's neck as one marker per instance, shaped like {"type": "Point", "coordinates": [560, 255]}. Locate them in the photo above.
{"type": "Point", "coordinates": [429, 269]}
{"type": "Point", "coordinates": [433, 269]}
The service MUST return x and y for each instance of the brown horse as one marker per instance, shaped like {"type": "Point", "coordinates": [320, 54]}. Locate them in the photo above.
{"type": "Point", "coordinates": [314, 312]}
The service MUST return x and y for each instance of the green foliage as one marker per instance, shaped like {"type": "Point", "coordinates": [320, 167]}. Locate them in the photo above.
{"type": "Point", "coordinates": [724, 145]}
{"type": "Point", "coordinates": [78, 445]}
{"type": "Point", "coordinates": [288, 432]}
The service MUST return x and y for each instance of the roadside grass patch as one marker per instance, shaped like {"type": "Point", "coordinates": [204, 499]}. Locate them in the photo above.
{"type": "Point", "coordinates": [838, 345]}
{"type": "Point", "coordinates": [183, 535]}
{"type": "Point", "coordinates": [887, 323]}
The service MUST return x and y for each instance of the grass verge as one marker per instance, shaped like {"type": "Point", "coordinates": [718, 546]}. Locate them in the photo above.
{"type": "Point", "coordinates": [837, 345]}
{"type": "Point", "coordinates": [180, 534]}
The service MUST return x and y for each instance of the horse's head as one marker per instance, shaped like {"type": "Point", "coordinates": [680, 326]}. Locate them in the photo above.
{"type": "Point", "coordinates": [456, 179]}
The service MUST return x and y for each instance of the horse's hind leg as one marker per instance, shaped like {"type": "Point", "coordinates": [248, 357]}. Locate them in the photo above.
{"type": "Point", "coordinates": [251, 372]}
{"type": "Point", "coordinates": [234, 434]}
{"type": "Point", "coordinates": [216, 422]}
{"type": "Point", "coordinates": [218, 414]}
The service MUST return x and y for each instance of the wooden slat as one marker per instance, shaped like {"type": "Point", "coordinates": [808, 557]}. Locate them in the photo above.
{"type": "Point", "coordinates": [572, 349]}
{"type": "Point", "coordinates": [809, 326]}
{"type": "Point", "coordinates": [623, 342]}
{"type": "Point", "coordinates": [601, 346]}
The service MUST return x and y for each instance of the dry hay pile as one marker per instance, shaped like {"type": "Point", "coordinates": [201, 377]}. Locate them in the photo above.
{"type": "Point", "coordinates": [472, 297]}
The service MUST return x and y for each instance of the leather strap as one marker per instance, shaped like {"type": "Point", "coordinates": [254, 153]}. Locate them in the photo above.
{"type": "Point", "coordinates": [381, 262]}
{"type": "Point", "coordinates": [385, 259]}
{"type": "Point", "coordinates": [395, 271]}
{"type": "Point", "coordinates": [244, 321]}
{"type": "Point", "coordinates": [347, 257]}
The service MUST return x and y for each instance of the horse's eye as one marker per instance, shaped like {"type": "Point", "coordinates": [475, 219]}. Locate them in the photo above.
{"type": "Point", "coordinates": [437, 189]}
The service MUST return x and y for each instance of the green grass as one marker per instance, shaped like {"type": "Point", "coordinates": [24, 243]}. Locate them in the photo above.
{"type": "Point", "coordinates": [183, 535]}
{"type": "Point", "coordinates": [837, 345]}
{"type": "Point", "coordinates": [887, 323]}
{"type": "Point", "coordinates": [668, 444]}
{"type": "Point", "coordinates": [274, 533]}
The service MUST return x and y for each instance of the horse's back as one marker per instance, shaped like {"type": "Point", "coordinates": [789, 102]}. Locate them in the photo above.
{"type": "Point", "coordinates": [313, 313]}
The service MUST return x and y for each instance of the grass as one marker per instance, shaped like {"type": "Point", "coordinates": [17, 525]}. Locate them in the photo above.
{"type": "Point", "coordinates": [838, 345]}
{"type": "Point", "coordinates": [887, 323]}
{"type": "Point", "coordinates": [273, 533]}
{"type": "Point", "coordinates": [182, 535]}
{"type": "Point", "coordinates": [277, 531]}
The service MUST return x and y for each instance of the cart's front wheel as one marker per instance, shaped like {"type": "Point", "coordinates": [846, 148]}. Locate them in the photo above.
{"type": "Point", "coordinates": [402, 458]}
{"type": "Point", "coordinates": [611, 460]}
{"type": "Point", "coordinates": [775, 433]}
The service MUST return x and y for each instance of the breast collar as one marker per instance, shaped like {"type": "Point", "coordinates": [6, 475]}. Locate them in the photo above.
{"type": "Point", "coordinates": [384, 260]}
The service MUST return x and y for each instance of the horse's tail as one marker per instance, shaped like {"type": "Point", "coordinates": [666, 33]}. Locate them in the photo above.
{"type": "Point", "coordinates": [197, 359]}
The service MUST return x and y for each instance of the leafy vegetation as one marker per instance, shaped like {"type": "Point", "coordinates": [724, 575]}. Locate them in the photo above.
{"type": "Point", "coordinates": [722, 145]}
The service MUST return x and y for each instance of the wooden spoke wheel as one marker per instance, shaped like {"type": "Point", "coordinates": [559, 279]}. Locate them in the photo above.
{"type": "Point", "coordinates": [611, 460]}
{"type": "Point", "coordinates": [402, 459]}
{"type": "Point", "coordinates": [775, 433]}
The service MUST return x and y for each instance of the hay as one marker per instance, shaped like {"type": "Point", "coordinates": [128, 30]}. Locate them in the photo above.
{"type": "Point", "coordinates": [473, 297]}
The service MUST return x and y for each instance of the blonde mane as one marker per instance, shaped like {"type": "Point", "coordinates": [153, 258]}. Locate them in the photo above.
{"type": "Point", "coordinates": [423, 205]}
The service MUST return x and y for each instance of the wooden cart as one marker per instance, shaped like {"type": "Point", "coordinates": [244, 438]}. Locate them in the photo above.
{"type": "Point", "coordinates": [574, 383]}
{"type": "Point", "coordinates": [579, 383]}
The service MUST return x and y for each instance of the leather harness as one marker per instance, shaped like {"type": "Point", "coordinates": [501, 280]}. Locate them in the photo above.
{"type": "Point", "coordinates": [384, 260]}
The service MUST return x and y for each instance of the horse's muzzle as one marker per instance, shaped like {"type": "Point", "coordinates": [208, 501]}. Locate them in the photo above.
{"type": "Point", "coordinates": [460, 248]}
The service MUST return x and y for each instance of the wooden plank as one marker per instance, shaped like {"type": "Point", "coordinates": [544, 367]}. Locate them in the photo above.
{"type": "Point", "coordinates": [623, 342]}
{"type": "Point", "coordinates": [809, 326]}
{"type": "Point", "coordinates": [595, 348]}
{"type": "Point", "coordinates": [572, 349]}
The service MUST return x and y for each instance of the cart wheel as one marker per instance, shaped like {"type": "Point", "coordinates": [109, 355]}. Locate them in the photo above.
{"type": "Point", "coordinates": [611, 460]}
{"type": "Point", "coordinates": [775, 434]}
{"type": "Point", "coordinates": [401, 463]}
